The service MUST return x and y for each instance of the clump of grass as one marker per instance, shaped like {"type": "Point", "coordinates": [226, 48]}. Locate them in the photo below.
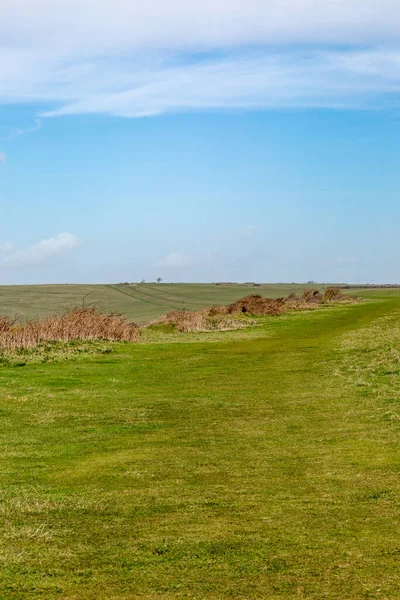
{"type": "Point", "coordinates": [332, 293]}
{"type": "Point", "coordinates": [76, 324]}
{"type": "Point", "coordinates": [5, 324]}
{"type": "Point", "coordinates": [53, 352]}
{"type": "Point", "coordinates": [308, 294]}
{"type": "Point", "coordinates": [312, 298]}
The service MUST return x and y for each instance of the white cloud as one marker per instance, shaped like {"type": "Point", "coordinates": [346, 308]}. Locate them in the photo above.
{"type": "Point", "coordinates": [6, 247]}
{"type": "Point", "coordinates": [3, 158]}
{"type": "Point", "coordinates": [104, 26]}
{"type": "Point", "coordinates": [18, 132]}
{"type": "Point", "coordinates": [132, 59]}
{"type": "Point", "coordinates": [37, 253]}
{"type": "Point", "coordinates": [307, 78]}
{"type": "Point", "coordinates": [173, 260]}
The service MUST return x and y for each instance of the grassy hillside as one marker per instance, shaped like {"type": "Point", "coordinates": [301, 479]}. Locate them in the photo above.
{"type": "Point", "coordinates": [140, 302]}
{"type": "Point", "coordinates": [252, 464]}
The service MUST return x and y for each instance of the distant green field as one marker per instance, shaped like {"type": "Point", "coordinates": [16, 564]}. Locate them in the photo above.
{"type": "Point", "coordinates": [139, 302]}
{"type": "Point", "coordinates": [257, 464]}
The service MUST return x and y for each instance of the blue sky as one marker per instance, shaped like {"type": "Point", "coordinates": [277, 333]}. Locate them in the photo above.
{"type": "Point", "coordinates": [233, 143]}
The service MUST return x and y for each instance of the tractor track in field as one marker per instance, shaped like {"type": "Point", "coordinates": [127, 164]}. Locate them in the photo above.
{"type": "Point", "coordinates": [149, 298]}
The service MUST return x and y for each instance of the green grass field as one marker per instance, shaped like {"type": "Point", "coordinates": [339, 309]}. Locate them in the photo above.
{"type": "Point", "coordinates": [140, 303]}
{"type": "Point", "coordinates": [253, 464]}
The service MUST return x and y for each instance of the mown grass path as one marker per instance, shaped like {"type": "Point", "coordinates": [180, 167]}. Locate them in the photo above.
{"type": "Point", "coordinates": [246, 467]}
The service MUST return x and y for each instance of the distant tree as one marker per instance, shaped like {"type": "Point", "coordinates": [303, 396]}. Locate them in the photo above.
{"type": "Point", "coordinates": [143, 281]}
{"type": "Point", "coordinates": [159, 280]}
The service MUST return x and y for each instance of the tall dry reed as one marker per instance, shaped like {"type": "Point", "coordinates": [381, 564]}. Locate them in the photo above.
{"type": "Point", "coordinates": [75, 324]}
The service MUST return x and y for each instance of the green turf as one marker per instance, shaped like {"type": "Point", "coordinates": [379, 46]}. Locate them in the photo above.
{"type": "Point", "coordinates": [140, 302]}
{"type": "Point", "coordinates": [252, 464]}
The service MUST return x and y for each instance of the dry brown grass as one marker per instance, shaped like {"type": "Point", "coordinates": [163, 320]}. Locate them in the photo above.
{"type": "Point", "coordinates": [308, 294]}
{"type": "Point", "coordinates": [5, 324]}
{"type": "Point", "coordinates": [202, 320]}
{"type": "Point", "coordinates": [218, 310]}
{"type": "Point", "coordinates": [332, 293]}
{"type": "Point", "coordinates": [219, 318]}
{"type": "Point", "coordinates": [184, 320]}
{"type": "Point", "coordinates": [76, 324]}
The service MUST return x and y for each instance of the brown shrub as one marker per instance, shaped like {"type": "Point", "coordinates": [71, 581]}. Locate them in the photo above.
{"type": "Point", "coordinates": [308, 294]}
{"type": "Point", "coordinates": [316, 297]}
{"type": "Point", "coordinates": [331, 293]}
{"type": "Point", "coordinates": [258, 306]}
{"type": "Point", "coordinates": [75, 324]}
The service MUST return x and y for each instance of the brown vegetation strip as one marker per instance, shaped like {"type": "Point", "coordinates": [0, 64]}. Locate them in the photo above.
{"type": "Point", "coordinates": [91, 324]}
{"type": "Point", "coordinates": [76, 324]}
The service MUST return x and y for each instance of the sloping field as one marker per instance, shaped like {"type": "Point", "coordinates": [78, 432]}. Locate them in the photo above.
{"type": "Point", "coordinates": [255, 465]}
{"type": "Point", "coordinates": [140, 302]}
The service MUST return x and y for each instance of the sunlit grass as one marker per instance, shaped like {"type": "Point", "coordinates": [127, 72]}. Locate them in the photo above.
{"type": "Point", "coordinates": [259, 463]}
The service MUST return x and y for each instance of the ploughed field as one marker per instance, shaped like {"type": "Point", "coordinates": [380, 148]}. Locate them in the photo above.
{"type": "Point", "coordinates": [256, 463]}
{"type": "Point", "coordinates": [139, 302]}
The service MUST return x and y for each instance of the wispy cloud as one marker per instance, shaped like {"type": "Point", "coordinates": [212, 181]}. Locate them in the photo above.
{"type": "Point", "coordinates": [3, 158]}
{"type": "Point", "coordinates": [135, 59]}
{"type": "Point", "coordinates": [257, 80]}
{"type": "Point", "coordinates": [39, 252]}
{"type": "Point", "coordinates": [18, 131]}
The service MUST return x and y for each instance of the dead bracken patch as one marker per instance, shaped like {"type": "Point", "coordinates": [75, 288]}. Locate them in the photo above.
{"type": "Point", "coordinates": [75, 324]}
{"type": "Point", "coordinates": [258, 305]}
